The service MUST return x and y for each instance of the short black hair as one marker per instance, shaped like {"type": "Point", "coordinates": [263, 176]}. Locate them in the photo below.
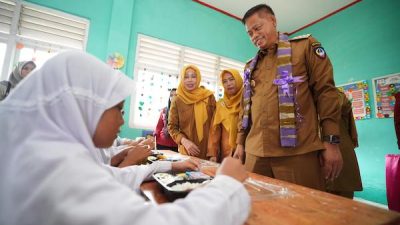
{"type": "Point", "coordinates": [256, 9]}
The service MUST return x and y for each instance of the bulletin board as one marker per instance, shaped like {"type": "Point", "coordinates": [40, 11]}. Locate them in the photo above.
{"type": "Point", "coordinates": [357, 93]}
{"type": "Point", "coordinates": [384, 89]}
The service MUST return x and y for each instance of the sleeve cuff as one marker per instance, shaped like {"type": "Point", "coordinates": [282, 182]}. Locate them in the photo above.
{"type": "Point", "coordinates": [179, 138]}
{"type": "Point", "coordinates": [329, 127]}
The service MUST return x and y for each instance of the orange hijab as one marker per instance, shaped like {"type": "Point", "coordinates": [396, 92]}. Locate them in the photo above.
{"type": "Point", "coordinates": [198, 97]}
{"type": "Point", "coordinates": [227, 111]}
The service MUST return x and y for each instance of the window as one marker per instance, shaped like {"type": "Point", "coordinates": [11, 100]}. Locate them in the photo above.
{"type": "Point", "coordinates": [32, 32]}
{"type": "Point", "coordinates": [157, 68]}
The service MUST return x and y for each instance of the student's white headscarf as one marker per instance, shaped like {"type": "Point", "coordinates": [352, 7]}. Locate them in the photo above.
{"type": "Point", "coordinates": [62, 101]}
{"type": "Point", "coordinates": [55, 111]}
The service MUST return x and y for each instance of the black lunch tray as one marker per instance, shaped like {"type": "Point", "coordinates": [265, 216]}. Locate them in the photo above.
{"type": "Point", "coordinates": [172, 195]}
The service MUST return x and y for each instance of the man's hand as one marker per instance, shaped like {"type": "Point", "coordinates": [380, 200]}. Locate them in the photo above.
{"type": "Point", "coordinates": [239, 153]}
{"type": "Point", "coordinates": [331, 161]}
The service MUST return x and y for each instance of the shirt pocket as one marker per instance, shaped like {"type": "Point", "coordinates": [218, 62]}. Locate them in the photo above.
{"type": "Point", "coordinates": [299, 66]}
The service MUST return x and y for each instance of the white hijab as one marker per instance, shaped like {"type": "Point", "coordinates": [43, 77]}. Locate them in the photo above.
{"type": "Point", "coordinates": [52, 113]}
{"type": "Point", "coordinates": [62, 101]}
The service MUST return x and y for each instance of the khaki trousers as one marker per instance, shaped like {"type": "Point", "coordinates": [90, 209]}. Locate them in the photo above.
{"type": "Point", "coordinates": [302, 169]}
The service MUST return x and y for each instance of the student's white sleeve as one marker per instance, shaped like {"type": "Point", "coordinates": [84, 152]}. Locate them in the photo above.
{"type": "Point", "coordinates": [222, 201]}
{"type": "Point", "coordinates": [79, 192]}
{"type": "Point", "coordinates": [133, 176]}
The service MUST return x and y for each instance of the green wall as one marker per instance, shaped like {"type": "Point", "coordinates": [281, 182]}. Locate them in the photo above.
{"type": "Point", "coordinates": [115, 25]}
{"type": "Point", "coordinates": [362, 43]}
{"type": "Point", "coordinates": [190, 24]}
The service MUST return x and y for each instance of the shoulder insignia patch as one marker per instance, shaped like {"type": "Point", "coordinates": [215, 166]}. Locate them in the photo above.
{"type": "Point", "coordinates": [300, 37]}
{"type": "Point", "coordinates": [320, 52]}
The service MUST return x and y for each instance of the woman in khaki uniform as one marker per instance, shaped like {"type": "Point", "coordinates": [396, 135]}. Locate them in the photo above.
{"type": "Point", "coordinates": [191, 113]}
{"type": "Point", "coordinates": [222, 140]}
{"type": "Point", "coordinates": [349, 179]}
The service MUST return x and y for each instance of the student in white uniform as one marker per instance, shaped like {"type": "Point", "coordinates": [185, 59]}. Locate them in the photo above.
{"type": "Point", "coordinates": [50, 168]}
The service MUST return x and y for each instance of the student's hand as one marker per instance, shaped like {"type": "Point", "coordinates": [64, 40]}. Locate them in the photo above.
{"type": "Point", "coordinates": [130, 142]}
{"type": "Point", "coordinates": [239, 153]}
{"type": "Point", "coordinates": [136, 155]}
{"type": "Point", "coordinates": [148, 141]}
{"type": "Point", "coordinates": [118, 158]}
{"type": "Point", "coordinates": [190, 147]}
{"type": "Point", "coordinates": [331, 161]}
{"type": "Point", "coordinates": [186, 165]}
{"type": "Point", "coordinates": [213, 159]}
{"type": "Point", "coordinates": [233, 168]}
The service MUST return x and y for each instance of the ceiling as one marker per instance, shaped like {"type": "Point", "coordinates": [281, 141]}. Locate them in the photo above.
{"type": "Point", "coordinates": [291, 18]}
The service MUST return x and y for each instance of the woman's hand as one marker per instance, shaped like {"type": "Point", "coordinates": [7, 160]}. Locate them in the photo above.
{"type": "Point", "coordinates": [190, 147]}
{"type": "Point", "coordinates": [186, 165]}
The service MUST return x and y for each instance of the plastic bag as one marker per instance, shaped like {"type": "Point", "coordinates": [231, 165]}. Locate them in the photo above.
{"type": "Point", "coordinates": [393, 181]}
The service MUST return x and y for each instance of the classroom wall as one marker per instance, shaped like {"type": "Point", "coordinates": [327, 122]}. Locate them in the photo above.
{"type": "Point", "coordinates": [115, 25]}
{"type": "Point", "coordinates": [190, 24]}
{"type": "Point", "coordinates": [362, 43]}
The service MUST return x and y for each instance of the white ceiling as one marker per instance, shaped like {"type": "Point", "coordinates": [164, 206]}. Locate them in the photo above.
{"type": "Point", "coordinates": [292, 15]}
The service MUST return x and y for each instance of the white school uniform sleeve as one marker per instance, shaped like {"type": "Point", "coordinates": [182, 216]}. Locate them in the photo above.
{"type": "Point", "coordinates": [133, 176]}
{"type": "Point", "coordinates": [80, 192]}
{"type": "Point", "coordinates": [222, 201]}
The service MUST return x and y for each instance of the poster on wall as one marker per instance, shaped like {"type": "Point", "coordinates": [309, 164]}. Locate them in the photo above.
{"type": "Point", "coordinates": [384, 89]}
{"type": "Point", "coordinates": [357, 93]}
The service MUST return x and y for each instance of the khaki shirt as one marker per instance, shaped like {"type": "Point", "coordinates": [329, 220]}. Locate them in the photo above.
{"type": "Point", "coordinates": [181, 123]}
{"type": "Point", "coordinates": [218, 142]}
{"type": "Point", "coordinates": [316, 100]}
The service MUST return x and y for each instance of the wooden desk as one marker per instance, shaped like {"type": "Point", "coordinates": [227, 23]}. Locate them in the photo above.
{"type": "Point", "coordinates": [305, 206]}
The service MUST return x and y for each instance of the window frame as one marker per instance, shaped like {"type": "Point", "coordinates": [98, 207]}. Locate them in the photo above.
{"type": "Point", "coordinates": [12, 38]}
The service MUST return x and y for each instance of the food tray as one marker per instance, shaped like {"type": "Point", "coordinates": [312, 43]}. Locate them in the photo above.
{"type": "Point", "coordinates": [178, 185]}
{"type": "Point", "coordinates": [159, 156]}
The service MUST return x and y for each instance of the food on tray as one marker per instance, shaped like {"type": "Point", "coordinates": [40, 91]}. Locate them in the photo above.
{"type": "Point", "coordinates": [178, 185]}
{"type": "Point", "coordinates": [152, 158]}
{"type": "Point", "coordinates": [162, 157]}
{"type": "Point", "coordinates": [186, 186]}
{"type": "Point", "coordinates": [164, 178]}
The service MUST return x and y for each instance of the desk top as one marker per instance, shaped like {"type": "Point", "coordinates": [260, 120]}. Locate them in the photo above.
{"type": "Point", "coordinates": [303, 206]}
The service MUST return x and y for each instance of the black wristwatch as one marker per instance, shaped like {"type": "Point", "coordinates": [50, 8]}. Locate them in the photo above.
{"type": "Point", "coordinates": [331, 139]}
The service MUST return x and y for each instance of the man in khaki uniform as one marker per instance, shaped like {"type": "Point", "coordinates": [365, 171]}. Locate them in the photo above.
{"type": "Point", "coordinates": [279, 133]}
